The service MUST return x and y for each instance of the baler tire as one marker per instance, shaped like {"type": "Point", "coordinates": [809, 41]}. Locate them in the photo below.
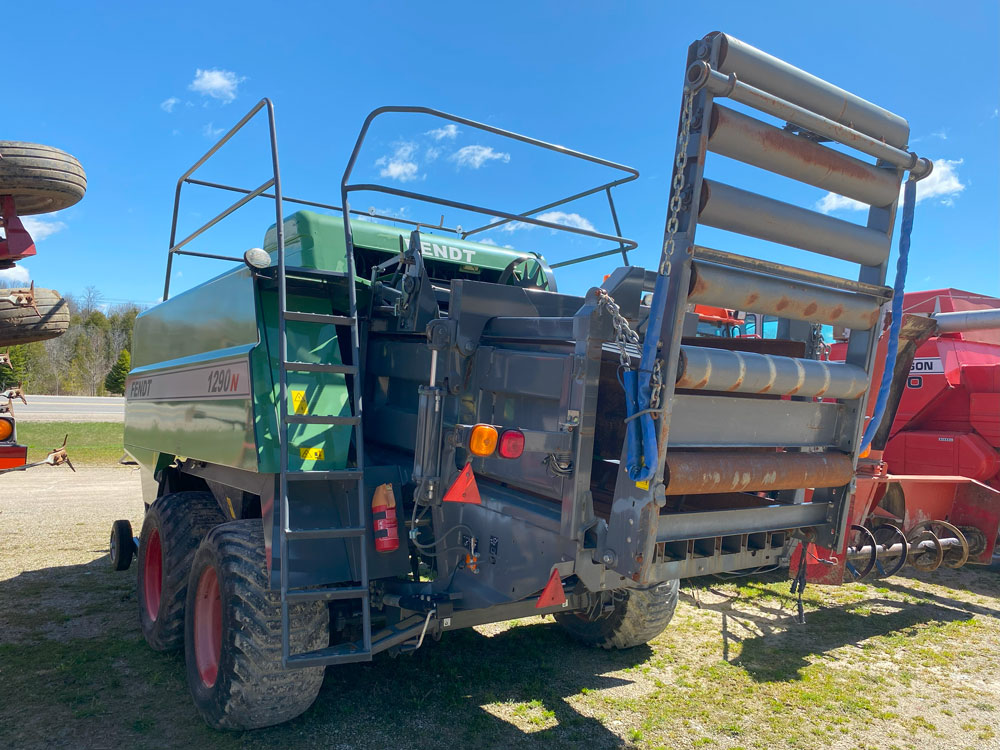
{"type": "Point", "coordinates": [636, 619]}
{"type": "Point", "coordinates": [41, 178]}
{"type": "Point", "coordinates": [121, 549]}
{"type": "Point", "coordinates": [249, 686]}
{"type": "Point", "coordinates": [23, 325]}
{"type": "Point", "coordinates": [181, 520]}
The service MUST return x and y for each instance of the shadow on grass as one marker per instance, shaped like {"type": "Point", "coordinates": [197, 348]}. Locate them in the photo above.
{"type": "Point", "coordinates": [782, 648]}
{"type": "Point", "coordinates": [76, 673]}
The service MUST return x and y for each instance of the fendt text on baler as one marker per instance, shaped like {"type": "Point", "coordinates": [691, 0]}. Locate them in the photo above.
{"type": "Point", "coordinates": [356, 440]}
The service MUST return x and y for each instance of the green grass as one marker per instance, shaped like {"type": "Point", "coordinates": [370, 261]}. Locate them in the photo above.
{"type": "Point", "coordinates": [89, 444]}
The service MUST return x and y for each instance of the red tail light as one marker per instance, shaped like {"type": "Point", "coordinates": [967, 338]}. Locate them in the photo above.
{"type": "Point", "coordinates": [511, 444]}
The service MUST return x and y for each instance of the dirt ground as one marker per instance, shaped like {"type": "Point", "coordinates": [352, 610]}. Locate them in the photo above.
{"type": "Point", "coordinates": [908, 662]}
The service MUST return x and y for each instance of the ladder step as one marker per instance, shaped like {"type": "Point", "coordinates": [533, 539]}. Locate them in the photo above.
{"type": "Point", "coordinates": [297, 419]}
{"type": "Point", "coordinates": [327, 595]}
{"type": "Point", "coordinates": [305, 317]}
{"type": "Point", "coordinates": [341, 654]}
{"type": "Point", "coordinates": [341, 532]}
{"type": "Point", "coordinates": [321, 367]}
{"type": "Point", "coordinates": [316, 476]}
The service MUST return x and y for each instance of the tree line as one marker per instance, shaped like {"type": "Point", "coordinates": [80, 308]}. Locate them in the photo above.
{"type": "Point", "coordinates": [91, 359]}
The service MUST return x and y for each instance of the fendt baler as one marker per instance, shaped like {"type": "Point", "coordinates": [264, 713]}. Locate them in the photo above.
{"type": "Point", "coordinates": [358, 438]}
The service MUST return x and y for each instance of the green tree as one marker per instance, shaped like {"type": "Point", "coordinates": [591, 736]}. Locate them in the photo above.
{"type": "Point", "coordinates": [18, 360]}
{"type": "Point", "coordinates": [115, 381]}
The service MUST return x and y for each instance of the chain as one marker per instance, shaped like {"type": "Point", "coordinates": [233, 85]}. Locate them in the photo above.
{"type": "Point", "coordinates": [623, 331]}
{"type": "Point", "coordinates": [677, 189]}
{"type": "Point", "coordinates": [680, 164]}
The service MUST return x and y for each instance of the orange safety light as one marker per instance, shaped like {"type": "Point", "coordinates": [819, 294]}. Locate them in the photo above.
{"type": "Point", "coordinates": [6, 429]}
{"type": "Point", "coordinates": [483, 440]}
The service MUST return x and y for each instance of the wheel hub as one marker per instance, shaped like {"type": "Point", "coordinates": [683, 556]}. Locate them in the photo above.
{"type": "Point", "coordinates": [208, 626]}
{"type": "Point", "coordinates": [152, 574]}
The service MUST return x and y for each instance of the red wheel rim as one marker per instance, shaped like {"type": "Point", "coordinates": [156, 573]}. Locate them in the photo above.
{"type": "Point", "coordinates": [208, 626]}
{"type": "Point", "coordinates": [152, 574]}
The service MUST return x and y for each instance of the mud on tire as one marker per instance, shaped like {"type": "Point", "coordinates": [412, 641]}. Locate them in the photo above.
{"type": "Point", "coordinates": [237, 681]}
{"type": "Point", "coordinates": [638, 617]}
{"type": "Point", "coordinates": [173, 528]}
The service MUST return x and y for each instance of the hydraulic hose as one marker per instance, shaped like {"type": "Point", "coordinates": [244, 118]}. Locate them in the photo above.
{"type": "Point", "coordinates": [909, 199]}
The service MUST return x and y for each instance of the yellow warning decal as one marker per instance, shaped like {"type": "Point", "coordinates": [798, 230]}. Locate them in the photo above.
{"type": "Point", "coordinates": [311, 454]}
{"type": "Point", "coordinates": [299, 404]}
{"type": "Point", "coordinates": [643, 485]}
{"type": "Point", "coordinates": [232, 511]}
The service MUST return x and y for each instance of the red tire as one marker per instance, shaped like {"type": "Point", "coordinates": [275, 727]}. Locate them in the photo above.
{"type": "Point", "coordinates": [172, 530]}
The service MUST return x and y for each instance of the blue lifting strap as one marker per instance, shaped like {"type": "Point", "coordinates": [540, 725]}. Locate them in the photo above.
{"type": "Point", "coordinates": [909, 199]}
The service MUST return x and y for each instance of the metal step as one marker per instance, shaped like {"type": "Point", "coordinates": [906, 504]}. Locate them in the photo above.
{"type": "Point", "coordinates": [327, 595]}
{"type": "Point", "coordinates": [321, 318]}
{"type": "Point", "coordinates": [292, 366]}
{"type": "Point", "coordinates": [338, 532]}
{"type": "Point", "coordinates": [345, 653]}
{"type": "Point", "coordinates": [324, 476]}
{"type": "Point", "coordinates": [312, 419]}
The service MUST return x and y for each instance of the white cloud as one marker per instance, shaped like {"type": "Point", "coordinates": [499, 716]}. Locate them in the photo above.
{"type": "Point", "coordinates": [477, 156]}
{"type": "Point", "coordinates": [400, 165]}
{"type": "Point", "coordinates": [486, 241]}
{"type": "Point", "coordinates": [210, 131]}
{"type": "Point", "coordinates": [449, 131]}
{"type": "Point", "coordinates": [554, 217]}
{"type": "Point", "coordinates": [17, 274]}
{"type": "Point", "coordinates": [432, 153]}
{"type": "Point", "coordinates": [39, 229]}
{"type": "Point", "coordinates": [943, 183]}
{"type": "Point", "coordinates": [218, 84]}
{"type": "Point", "coordinates": [167, 105]}
{"type": "Point", "coordinates": [568, 220]}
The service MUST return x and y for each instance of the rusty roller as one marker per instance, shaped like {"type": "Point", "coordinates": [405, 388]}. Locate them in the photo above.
{"type": "Point", "coordinates": [704, 368]}
{"type": "Point", "coordinates": [779, 78]}
{"type": "Point", "coordinates": [740, 289]}
{"type": "Point", "coordinates": [710, 472]}
{"type": "Point", "coordinates": [735, 210]}
{"type": "Point", "coordinates": [749, 140]}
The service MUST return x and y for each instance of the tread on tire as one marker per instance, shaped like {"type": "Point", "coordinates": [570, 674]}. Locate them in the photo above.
{"type": "Point", "coordinates": [182, 519]}
{"type": "Point", "coordinates": [251, 689]}
{"type": "Point", "coordinates": [636, 619]}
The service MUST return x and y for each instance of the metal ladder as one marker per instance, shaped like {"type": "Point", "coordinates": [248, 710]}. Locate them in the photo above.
{"type": "Point", "coordinates": [817, 425]}
{"type": "Point", "coordinates": [352, 651]}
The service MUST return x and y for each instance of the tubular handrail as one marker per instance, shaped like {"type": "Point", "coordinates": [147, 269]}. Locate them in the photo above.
{"type": "Point", "coordinates": [624, 244]}
{"type": "Point", "coordinates": [175, 247]}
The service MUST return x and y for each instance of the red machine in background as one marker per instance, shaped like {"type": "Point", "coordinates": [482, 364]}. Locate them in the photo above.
{"type": "Point", "coordinates": [929, 491]}
{"type": "Point", "coordinates": [948, 419]}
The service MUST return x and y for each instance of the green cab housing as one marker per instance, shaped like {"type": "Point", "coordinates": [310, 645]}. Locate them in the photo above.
{"type": "Point", "coordinates": [204, 378]}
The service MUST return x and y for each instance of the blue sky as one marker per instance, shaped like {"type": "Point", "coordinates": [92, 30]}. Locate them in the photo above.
{"type": "Point", "coordinates": [138, 91]}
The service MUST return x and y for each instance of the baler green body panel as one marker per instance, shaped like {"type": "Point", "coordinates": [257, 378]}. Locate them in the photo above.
{"type": "Point", "coordinates": [315, 240]}
{"type": "Point", "coordinates": [171, 407]}
{"type": "Point", "coordinates": [204, 382]}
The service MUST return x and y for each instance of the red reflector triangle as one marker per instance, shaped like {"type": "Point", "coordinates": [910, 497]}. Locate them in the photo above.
{"type": "Point", "coordinates": [464, 489]}
{"type": "Point", "coordinates": [552, 594]}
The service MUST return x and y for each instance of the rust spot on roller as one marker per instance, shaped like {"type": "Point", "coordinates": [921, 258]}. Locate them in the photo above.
{"type": "Point", "coordinates": [810, 308]}
{"type": "Point", "coordinates": [751, 298]}
{"type": "Point", "coordinates": [836, 312]}
{"type": "Point", "coordinates": [782, 304]}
